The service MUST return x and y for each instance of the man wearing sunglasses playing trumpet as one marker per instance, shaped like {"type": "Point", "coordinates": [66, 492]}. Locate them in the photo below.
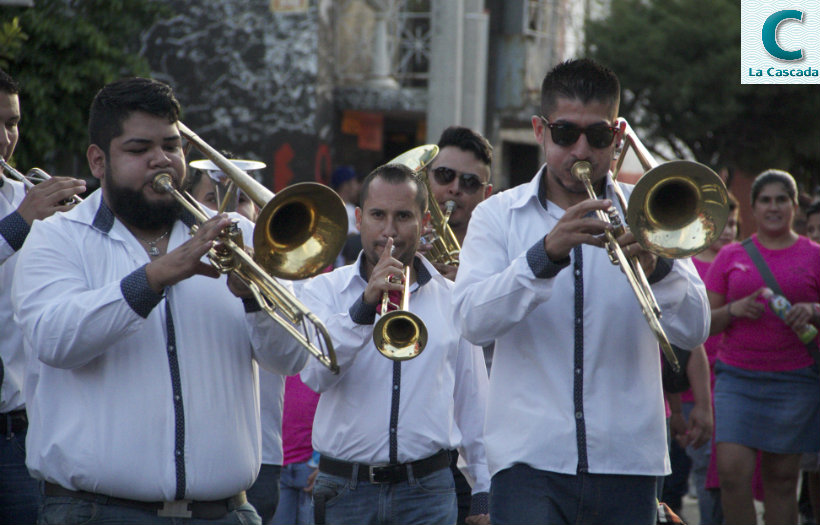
{"type": "Point", "coordinates": [575, 429]}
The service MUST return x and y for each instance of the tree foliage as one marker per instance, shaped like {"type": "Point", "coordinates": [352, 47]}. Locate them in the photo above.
{"type": "Point", "coordinates": [679, 65]}
{"type": "Point", "coordinates": [70, 49]}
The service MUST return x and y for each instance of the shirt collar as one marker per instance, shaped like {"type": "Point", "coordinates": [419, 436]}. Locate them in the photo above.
{"type": "Point", "coordinates": [537, 189]}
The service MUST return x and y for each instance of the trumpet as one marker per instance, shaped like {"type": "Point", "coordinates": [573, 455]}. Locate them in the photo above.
{"type": "Point", "coordinates": [676, 209]}
{"type": "Point", "coordinates": [445, 246]}
{"type": "Point", "coordinates": [32, 178]}
{"type": "Point", "coordinates": [399, 334]}
{"type": "Point", "coordinates": [298, 233]}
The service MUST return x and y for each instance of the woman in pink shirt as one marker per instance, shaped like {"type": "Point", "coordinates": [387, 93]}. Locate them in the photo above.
{"type": "Point", "coordinates": [767, 391]}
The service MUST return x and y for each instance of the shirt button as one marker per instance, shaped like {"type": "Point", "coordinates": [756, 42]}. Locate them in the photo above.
{"type": "Point", "coordinates": [578, 320]}
{"type": "Point", "coordinates": [577, 370]}
{"type": "Point", "coordinates": [177, 398]}
{"type": "Point", "coordinates": [577, 272]}
{"type": "Point", "coordinates": [393, 430]}
{"type": "Point", "coordinates": [395, 387]}
{"type": "Point", "coordinates": [178, 453]}
{"type": "Point", "coordinates": [579, 415]}
{"type": "Point", "coordinates": [171, 348]}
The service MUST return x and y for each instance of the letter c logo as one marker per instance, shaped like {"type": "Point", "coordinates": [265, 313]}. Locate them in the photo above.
{"type": "Point", "coordinates": [770, 34]}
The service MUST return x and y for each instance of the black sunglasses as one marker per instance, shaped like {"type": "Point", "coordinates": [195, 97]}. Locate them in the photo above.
{"type": "Point", "coordinates": [467, 182]}
{"type": "Point", "coordinates": [599, 136]}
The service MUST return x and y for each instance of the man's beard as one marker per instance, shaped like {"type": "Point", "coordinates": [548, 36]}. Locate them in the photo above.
{"type": "Point", "coordinates": [133, 208]}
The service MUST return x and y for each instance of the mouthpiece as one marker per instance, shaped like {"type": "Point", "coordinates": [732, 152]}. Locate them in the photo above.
{"type": "Point", "coordinates": [581, 170]}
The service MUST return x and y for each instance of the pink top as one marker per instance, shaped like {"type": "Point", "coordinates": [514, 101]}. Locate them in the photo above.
{"type": "Point", "coordinates": [297, 420]}
{"type": "Point", "coordinates": [766, 343]}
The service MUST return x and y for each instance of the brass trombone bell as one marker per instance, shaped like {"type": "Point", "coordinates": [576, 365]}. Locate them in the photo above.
{"type": "Point", "coordinates": [678, 208]}
{"type": "Point", "coordinates": [417, 158]}
{"type": "Point", "coordinates": [298, 229]}
{"type": "Point", "coordinates": [309, 239]}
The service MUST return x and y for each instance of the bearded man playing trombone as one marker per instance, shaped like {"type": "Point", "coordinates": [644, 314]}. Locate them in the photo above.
{"type": "Point", "coordinates": [575, 429]}
{"type": "Point", "coordinates": [142, 382]}
{"type": "Point", "coordinates": [385, 427]}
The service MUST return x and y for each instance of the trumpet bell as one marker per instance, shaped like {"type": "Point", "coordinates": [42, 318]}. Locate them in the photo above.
{"type": "Point", "coordinates": [300, 231]}
{"type": "Point", "coordinates": [400, 335]}
{"type": "Point", "coordinates": [678, 209]}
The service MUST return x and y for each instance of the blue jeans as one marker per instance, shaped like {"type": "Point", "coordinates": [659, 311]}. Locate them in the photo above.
{"type": "Point", "coordinates": [294, 503]}
{"type": "Point", "coordinates": [423, 501]}
{"type": "Point", "coordinates": [19, 492]}
{"type": "Point", "coordinates": [264, 493]}
{"type": "Point", "coordinates": [59, 510]}
{"type": "Point", "coordinates": [522, 494]}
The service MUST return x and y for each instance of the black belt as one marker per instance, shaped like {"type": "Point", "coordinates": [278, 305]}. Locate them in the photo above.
{"type": "Point", "coordinates": [13, 422]}
{"type": "Point", "coordinates": [203, 510]}
{"type": "Point", "coordinates": [386, 473]}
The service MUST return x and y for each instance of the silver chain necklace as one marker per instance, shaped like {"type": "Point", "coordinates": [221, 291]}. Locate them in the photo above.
{"type": "Point", "coordinates": [153, 251]}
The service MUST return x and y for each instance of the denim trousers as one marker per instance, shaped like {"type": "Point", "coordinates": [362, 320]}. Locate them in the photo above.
{"type": "Point", "coordinates": [522, 494]}
{"type": "Point", "coordinates": [427, 500]}
{"type": "Point", "coordinates": [294, 506]}
{"type": "Point", "coordinates": [60, 510]}
{"type": "Point", "coordinates": [19, 492]}
{"type": "Point", "coordinates": [264, 493]}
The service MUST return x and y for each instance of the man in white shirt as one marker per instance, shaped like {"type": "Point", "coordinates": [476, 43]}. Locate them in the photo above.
{"type": "Point", "coordinates": [575, 428]}
{"type": "Point", "coordinates": [384, 427]}
{"type": "Point", "coordinates": [141, 385]}
{"type": "Point", "coordinates": [19, 492]}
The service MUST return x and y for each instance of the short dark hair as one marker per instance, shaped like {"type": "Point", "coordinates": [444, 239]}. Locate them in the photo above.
{"type": "Point", "coordinates": [395, 174]}
{"type": "Point", "coordinates": [115, 102]}
{"type": "Point", "coordinates": [468, 140]}
{"type": "Point", "coordinates": [775, 176]}
{"type": "Point", "coordinates": [582, 79]}
{"type": "Point", "coordinates": [8, 84]}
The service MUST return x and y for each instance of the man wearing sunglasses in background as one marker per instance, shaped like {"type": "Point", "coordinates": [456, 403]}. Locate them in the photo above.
{"type": "Point", "coordinates": [575, 429]}
{"type": "Point", "coordinates": [460, 173]}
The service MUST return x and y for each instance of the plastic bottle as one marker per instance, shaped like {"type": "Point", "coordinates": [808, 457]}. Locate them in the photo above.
{"type": "Point", "coordinates": [781, 306]}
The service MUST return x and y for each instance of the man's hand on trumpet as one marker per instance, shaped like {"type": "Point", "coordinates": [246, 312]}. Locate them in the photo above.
{"type": "Point", "coordinates": [186, 259]}
{"type": "Point", "coordinates": [49, 197]}
{"type": "Point", "coordinates": [380, 278]}
{"type": "Point", "coordinates": [579, 225]}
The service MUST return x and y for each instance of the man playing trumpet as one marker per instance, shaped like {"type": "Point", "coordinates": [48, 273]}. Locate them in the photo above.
{"type": "Point", "coordinates": [385, 427]}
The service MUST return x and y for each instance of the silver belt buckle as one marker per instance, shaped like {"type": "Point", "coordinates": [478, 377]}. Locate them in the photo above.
{"type": "Point", "coordinates": [176, 509]}
{"type": "Point", "coordinates": [371, 470]}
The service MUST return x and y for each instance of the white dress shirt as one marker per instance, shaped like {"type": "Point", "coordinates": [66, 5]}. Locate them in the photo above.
{"type": "Point", "coordinates": [13, 231]}
{"type": "Point", "coordinates": [130, 393]}
{"type": "Point", "coordinates": [442, 392]}
{"type": "Point", "coordinates": [563, 399]}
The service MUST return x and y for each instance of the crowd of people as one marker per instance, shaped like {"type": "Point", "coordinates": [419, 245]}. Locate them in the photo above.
{"type": "Point", "coordinates": [142, 385]}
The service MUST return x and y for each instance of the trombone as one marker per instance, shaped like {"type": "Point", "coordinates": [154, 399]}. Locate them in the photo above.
{"type": "Point", "coordinates": [444, 244]}
{"type": "Point", "coordinates": [297, 235]}
{"type": "Point", "coordinates": [399, 334]}
{"type": "Point", "coordinates": [30, 179]}
{"type": "Point", "coordinates": [675, 210]}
